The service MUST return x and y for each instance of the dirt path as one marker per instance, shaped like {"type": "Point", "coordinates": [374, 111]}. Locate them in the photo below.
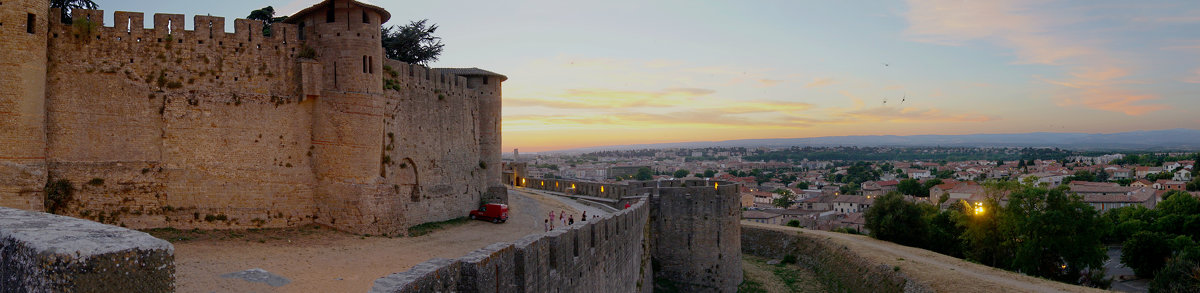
{"type": "Point", "coordinates": [323, 260]}
{"type": "Point", "coordinates": [944, 273]}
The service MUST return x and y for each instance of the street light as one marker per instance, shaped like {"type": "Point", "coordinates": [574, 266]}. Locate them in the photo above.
{"type": "Point", "coordinates": [979, 208]}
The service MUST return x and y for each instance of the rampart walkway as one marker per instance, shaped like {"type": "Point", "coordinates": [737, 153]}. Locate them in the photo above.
{"type": "Point", "coordinates": [929, 269]}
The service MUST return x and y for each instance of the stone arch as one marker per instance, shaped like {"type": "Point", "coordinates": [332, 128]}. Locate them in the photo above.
{"type": "Point", "coordinates": [406, 178]}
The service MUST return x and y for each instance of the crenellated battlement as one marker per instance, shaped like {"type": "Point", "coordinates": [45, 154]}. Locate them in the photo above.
{"type": "Point", "coordinates": [204, 28]}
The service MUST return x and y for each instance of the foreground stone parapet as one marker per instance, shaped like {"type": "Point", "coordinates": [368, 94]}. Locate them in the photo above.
{"type": "Point", "coordinates": [605, 254]}
{"type": "Point", "coordinates": [42, 252]}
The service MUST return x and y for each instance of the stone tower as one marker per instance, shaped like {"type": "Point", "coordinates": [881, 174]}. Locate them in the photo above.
{"type": "Point", "coordinates": [348, 129]}
{"type": "Point", "coordinates": [487, 84]}
{"type": "Point", "coordinates": [697, 236]}
{"type": "Point", "coordinates": [23, 29]}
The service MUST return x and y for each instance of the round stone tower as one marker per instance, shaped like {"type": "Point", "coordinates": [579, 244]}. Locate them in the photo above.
{"type": "Point", "coordinates": [23, 29]}
{"type": "Point", "coordinates": [345, 35]}
{"type": "Point", "coordinates": [348, 129]}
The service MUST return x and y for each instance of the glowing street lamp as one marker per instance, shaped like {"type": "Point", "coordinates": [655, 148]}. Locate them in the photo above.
{"type": "Point", "coordinates": [979, 208]}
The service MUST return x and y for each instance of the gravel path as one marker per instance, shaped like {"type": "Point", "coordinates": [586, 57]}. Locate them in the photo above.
{"type": "Point", "coordinates": [330, 261]}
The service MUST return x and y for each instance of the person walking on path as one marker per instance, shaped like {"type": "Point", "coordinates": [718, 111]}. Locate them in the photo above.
{"type": "Point", "coordinates": [584, 217]}
{"type": "Point", "coordinates": [571, 220]}
{"type": "Point", "coordinates": [562, 217]}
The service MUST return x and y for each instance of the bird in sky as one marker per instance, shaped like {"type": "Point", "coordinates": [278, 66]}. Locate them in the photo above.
{"type": "Point", "coordinates": [886, 65]}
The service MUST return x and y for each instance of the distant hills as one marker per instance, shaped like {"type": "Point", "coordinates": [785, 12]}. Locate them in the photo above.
{"type": "Point", "coordinates": [1169, 139]}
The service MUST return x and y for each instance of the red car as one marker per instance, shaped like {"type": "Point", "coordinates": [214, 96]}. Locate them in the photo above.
{"type": "Point", "coordinates": [497, 213]}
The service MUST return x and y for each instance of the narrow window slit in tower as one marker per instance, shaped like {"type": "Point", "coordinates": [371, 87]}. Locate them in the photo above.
{"type": "Point", "coordinates": [169, 26]}
{"type": "Point", "coordinates": [329, 12]}
{"type": "Point", "coordinates": [30, 20]}
{"type": "Point", "coordinates": [128, 24]}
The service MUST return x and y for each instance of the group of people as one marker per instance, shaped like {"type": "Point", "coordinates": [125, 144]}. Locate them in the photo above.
{"type": "Point", "coordinates": [565, 219]}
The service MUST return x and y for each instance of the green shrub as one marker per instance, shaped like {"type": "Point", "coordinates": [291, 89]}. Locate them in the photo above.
{"type": "Point", "coordinates": [788, 259]}
{"type": "Point", "coordinates": [427, 228]}
{"type": "Point", "coordinates": [58, 193]}
{"type": "Point", "coordinates": [793, 223]}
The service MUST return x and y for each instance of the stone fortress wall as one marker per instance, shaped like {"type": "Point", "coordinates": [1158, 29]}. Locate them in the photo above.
{"type": "Point", "coordinates": [200, 128]}
{"type": "Point", "coordinates": [682, 235]}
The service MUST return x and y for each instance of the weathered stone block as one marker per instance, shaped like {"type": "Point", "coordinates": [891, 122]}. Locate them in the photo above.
{"type": "Point", "coordinates": [51, 253]}
{"type": "Point", "coordinates": [435, 275]}
{"type": "Point", "coordinates": [490, 269]}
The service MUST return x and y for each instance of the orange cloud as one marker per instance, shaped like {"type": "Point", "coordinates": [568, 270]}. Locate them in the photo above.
{"type": "Point", "coordinates": [1098, 88]}
{"type": "Point", "coordinates": [612, 99]}
{"type": "Point", "coordinates": [712, 118]}
{"type": "Point", "coordinates": [1112, 99]}
{"type": "Point", "coordinates": [819, 82]}
{"type": "Point", "coordinates": [763, 107]}
{"type": "Point", "coordinates": [769, 82]}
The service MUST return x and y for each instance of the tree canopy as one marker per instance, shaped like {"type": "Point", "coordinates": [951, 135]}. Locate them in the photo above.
{"type": "Point", "coordinates": [68, 5]}
{"type": "Point", "coordinates": [644, 174]}
{"type": "Point", "coordinates": [267, 16]}
{"type": "Point", "coordinates": [680, 173]}
{"type": "Point", "coordinates": [893, 219]}
{"type": "Point", "coordinates": [413, 43]}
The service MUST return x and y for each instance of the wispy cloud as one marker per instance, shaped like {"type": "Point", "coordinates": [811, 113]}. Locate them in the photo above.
{"type": "Point", "coordinates": [1095, 75]}
{"type": "Point", "coordinates": [612, 99]}
{"type": "Point", "coordinates": [820, 82]}
{"type": "Point", "coordinates": [899, 114]}
{"type": "Point", "coordinates": [1114, 100]}
{"type": "Point", "coordinates": [1009, 23]}
{"type": "Point", "coordinates": [1100, 88]}
{"type": "Point", "coordinates": [1195, 78]}
{"type": "Point", "coordinates": [769, 82]}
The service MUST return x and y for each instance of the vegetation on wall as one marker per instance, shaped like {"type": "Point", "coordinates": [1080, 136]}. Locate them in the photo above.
{"type": "Point", "coordinates": [69, 5]}
{"type": "Point", "coordinates": [58, 193]}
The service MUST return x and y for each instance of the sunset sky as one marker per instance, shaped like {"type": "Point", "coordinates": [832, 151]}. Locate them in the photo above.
{"type": "Point", "coordinates": [621, 72]}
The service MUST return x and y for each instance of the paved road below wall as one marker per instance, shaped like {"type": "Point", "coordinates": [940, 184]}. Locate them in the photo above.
{"type": "Point", "coordinates": [591, 211]}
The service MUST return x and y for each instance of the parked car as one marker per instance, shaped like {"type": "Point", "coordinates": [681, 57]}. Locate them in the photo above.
{"type": "Point", "coordinates": [497, 213]}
